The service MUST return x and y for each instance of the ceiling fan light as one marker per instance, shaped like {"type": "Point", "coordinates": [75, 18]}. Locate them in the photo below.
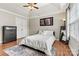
{"type": "Point", "coordinates": [31, 8]}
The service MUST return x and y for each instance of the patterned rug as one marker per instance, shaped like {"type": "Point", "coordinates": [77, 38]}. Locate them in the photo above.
{"type": "Point", "coordinates": [25, 51]}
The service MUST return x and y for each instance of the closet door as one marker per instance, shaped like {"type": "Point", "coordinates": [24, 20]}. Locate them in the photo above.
{"type": "Point", "coordinates": [21, 27]}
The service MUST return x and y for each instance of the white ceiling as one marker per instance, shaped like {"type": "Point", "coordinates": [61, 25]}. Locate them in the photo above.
{"type": "Point", "coordinates": [19, 9]}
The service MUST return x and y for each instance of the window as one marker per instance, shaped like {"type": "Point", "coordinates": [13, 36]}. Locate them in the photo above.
{"type": "Point", "coordinates": [74, 20]}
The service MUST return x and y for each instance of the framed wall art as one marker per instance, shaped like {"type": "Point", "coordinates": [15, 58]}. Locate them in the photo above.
{"type": "Point", "coordinates": [46, 21]}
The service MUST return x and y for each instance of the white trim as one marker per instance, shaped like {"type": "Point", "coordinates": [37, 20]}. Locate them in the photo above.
{"type": "Point", "coordinates": [43, 15]}
{"type": "Point", "coordinates": [0, 41]}
{"type": "Point", "coordinates": [72, 35]}
{"type": "Point", "coordinates": [72, 50]}
{"type": "Point", "coordinates": [10, 12]}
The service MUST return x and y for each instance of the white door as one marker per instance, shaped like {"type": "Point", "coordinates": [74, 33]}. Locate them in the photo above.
{"type": "Point", "coordinates": [21, 27]}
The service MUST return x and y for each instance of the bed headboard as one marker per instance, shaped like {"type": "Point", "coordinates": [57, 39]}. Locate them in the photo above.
{"type": "Point", "coordinates": [50, 31]}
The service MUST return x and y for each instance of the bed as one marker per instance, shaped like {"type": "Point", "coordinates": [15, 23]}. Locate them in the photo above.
{"type": "Point", "coordinates": [42, 41]}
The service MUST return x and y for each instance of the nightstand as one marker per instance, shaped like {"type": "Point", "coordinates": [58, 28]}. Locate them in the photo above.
{"type": "Point", "coordinates": [20, 39]}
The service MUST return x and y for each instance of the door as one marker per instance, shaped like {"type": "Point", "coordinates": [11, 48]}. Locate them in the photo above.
{"type": "Point", "coordinates": [21, 24]}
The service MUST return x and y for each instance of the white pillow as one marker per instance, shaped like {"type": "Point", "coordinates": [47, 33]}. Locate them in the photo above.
{"type": "Point", "coordinates": [40, 32]}
{"type": "Point", "coordinates": [48, 33]}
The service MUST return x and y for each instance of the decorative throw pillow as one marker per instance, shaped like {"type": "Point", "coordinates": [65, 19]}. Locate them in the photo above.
{"type": "Point", "coordinates": [40, 31]}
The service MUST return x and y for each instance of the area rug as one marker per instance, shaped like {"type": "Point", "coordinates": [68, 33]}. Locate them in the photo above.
{"type": "Point", "coordinates": [25, 51]}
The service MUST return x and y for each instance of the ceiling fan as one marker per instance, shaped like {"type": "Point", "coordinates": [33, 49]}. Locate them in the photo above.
{"type": "Point", "coordinates": [31, 6]}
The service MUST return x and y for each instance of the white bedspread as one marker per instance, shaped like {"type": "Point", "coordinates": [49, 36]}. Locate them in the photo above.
{"type": "Point", "coordinates": [40, 42]}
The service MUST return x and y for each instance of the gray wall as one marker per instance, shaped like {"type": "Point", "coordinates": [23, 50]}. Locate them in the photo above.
{"type": "Point", "coordinates": [34, 23]}
{"type": "Point", "coordinates": [8, 18]}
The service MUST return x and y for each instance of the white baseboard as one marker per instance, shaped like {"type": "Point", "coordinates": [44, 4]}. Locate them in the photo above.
{"type": "Point", "coordinates": [0, 41]}
{"type": "Point", "coordinates": [72, 50]}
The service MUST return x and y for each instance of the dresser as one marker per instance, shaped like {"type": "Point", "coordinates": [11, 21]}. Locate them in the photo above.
{"type": "Point", "coordinates": [9, 33]}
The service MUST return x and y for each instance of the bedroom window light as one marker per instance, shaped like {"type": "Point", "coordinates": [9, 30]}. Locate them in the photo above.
{"type": "Point", "coordinates": [76, 29]}
{"type": "Point", "coordinates": [74, 21]}
{"type": "Point", "coordinates": [77, 11]}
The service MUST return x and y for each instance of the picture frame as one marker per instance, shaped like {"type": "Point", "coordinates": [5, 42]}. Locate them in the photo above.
{"type": "Point", "coordinates": [46, 21]}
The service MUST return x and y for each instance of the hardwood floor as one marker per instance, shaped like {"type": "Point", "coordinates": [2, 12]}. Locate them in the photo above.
{"type": "Point", "coordinates": [61, 49]}
{"type": "Point", "coordinates": [7, 45]}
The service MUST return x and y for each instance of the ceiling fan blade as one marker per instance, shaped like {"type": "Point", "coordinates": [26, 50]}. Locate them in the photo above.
{"type": "Point", "coordinates": [35, 3]}
{"type": "Point", "coordinates": [32, 3]}
{"type": "Point", "coordinates": [26, 6]}
{"type": "Point", "coordinates": [29, 3]}
{"type": "Point", "coordinates": [35, 7]}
